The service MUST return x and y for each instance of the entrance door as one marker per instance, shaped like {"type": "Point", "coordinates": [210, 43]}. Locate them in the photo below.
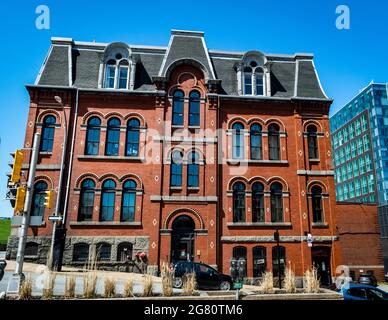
{"type": "Point", "coordinates": [321, 260]}
{"type": "Point", "coordinates": [182, 240]}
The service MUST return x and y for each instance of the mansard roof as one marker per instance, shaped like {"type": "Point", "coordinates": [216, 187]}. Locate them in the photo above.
{"type": "Point", "coordinates": [72, 63]}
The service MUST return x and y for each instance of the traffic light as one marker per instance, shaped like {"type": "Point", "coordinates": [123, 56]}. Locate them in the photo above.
{"type": "Point", "coordinates": [17, 166]}
{"type": "Point", "coordinates": [48, 199]}
{"type": "Point", "coordinates": [19, 200]}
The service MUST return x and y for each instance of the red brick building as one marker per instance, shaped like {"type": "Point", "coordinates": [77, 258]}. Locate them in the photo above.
{"type": "Point", "coordinates": [183, 152]}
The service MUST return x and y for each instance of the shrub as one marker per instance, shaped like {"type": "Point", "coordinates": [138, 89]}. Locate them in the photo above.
{"type": "Point", "coordinates": [167, 276]}
{"type": "Point", "coordinates": [289, 280]}
{"type": "Point", "coordinates": [189, 284]}
{"type": "Point", "coordinates": [90, 284]}
{"type": "Point", "coordinates": [25, 292]}
{"type": "Point", "coordinates": [70, 287]}
{"type": "Point", "coordinates": [311, 281]}
{"type": "Point", "coordinates": [48, 290]}
{"type": "Point", "coordinates": [266, 283]}
{"type": "Point", "coordinates": [148, 285]}
{"type": "Point", "coordinates": [128, 288]}
{"type": "Point", "coordinates": [109, 288]}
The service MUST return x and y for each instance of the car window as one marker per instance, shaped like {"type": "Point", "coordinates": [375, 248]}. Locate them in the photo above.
{"type": "Point", "coordinates": [377, 295]}
{"type": "Point", "coordinates": [204, 269]}
{"type": "Point", "coordinates": [357, 292]}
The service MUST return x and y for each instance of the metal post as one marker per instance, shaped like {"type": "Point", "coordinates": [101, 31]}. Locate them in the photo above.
{"type": "Point", "coordinates": [50, 262]}
{"type": "Point", "coordinates": [27, 207]}
{"type": "Point", "coordinates": [280, 276]}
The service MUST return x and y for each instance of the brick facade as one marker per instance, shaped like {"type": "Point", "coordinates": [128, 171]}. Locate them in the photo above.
{"type": "Point", "coordinates": [214, 234]}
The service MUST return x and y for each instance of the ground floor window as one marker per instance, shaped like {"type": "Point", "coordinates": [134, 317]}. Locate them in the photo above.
{"type": "Point", "coordinates": [278, 260]}
{"type": "Point", "coordinates": [103, 251]}
{"type": "Point", "coordinates": [81, 252]}
{"type": "Point", "coordinates": [259, 261]}
{"type": "Point", "coordinates": [124, 252]}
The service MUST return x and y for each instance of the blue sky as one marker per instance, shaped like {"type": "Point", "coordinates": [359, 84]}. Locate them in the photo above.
{"type": "Point", "coordinates": [347, 60]}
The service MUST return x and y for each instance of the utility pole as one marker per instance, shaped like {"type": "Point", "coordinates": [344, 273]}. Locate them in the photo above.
{"type": "Point", "coordinates": [18, 276]}
{"type": "Point", "coordinates": [50, 261]}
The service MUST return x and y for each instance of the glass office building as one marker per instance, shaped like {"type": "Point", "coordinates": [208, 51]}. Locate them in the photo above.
{"type": "Point", "coordinates": [359, 133]}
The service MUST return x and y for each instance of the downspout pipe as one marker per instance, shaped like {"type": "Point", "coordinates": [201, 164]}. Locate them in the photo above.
{"type": "Point", "coordinates": [70, 167]}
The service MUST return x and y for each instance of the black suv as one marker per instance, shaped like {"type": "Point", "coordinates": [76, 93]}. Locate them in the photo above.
{"type": "Point", "coordinates": [206, 276]}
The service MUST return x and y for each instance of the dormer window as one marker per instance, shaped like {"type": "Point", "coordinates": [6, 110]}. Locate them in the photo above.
{"type": "Point", "coordinates": [117, 68]}
{"type": "Point", "coordinates": [116, 74]}
{"type": "Point", "coordinates": [254, 80]}
{"type": "Point", "coordinates": [253, 75]}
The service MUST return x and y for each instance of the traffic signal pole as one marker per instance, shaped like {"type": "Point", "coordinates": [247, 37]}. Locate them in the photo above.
{"type": "Point", "coordinates": [27, 207]}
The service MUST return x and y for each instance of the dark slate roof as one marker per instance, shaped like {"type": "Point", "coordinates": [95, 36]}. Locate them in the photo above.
{"type": "Point", "coordinates": [187, 47]}
{"type": "Point", "coordinates": [154, 61]}
{"type": "Point", "coordinates": [86, 67]}
{"type": "Point", "coordinates": [308, 83]}
{"type": "Point", "coordinates": [282, 79]}
{"type": "Point", "coordinates": [56, 69]}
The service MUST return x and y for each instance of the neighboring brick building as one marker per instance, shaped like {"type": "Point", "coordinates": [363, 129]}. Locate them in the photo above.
{"type": "Point", "coordinates": [360, 241]}
{"type": "Point", "coordinates": [183, 151]}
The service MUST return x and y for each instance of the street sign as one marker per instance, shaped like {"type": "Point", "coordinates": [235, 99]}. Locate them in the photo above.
{"type": "Point", "coordinates": [310, 240]}
{"type": "Point", "coordinates": [237, 285]}
{"type": "Point", "coordinates": [55, 218]}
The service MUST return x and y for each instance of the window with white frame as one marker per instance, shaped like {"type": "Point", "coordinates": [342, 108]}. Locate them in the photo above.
{"type": "Point", "coordinates": [117, 73]}
{"type": "Point", "coordinates": [253, 80]}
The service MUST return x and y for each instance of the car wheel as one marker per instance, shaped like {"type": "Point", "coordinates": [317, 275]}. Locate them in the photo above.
{"type": "Point", "coordinates": [177, 282]}
{"type": "Point", "coordinates": [225, 285]}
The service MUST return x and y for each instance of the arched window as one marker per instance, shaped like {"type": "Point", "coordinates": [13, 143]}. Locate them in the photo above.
{"type": "Point", "coordinates": [48, 130]}
{"type": "Point", "coordinates": [110, 71]}
{"type": "Point", "coordinates": [276, 202]}
{"type": "Point", "coordinates": [274, 142]}
{"type": "Point", "coordinates": [40, 189]}
{"type": "Point", "coordinates": [177, 108]}
{"type": "Point", "coordinates": [256, 142]}
{"type": "Point", "coordinates": [113, 137]}
{"type": "Point", "coordinates": [93, 136]}
{"type": "Point", "coordinates": [31, 249]}
{"type": "Point", "coordinates": [248, 81]}
{"type": "Point", "coordinates": [80, 252]}
{"type": "Point", "coordinates": [259, 261]}
{"type": "Point", "coordinates": [312, 142]}
{"type": "Point", "coordinates": [116, 73]}
{"type": "Point", "coordinates": [86, 200]}
{"type": "Point", "coordinates": [123, 74]}
{"type": "Point", "coordinates": [259, 77]}
{"type": "Point", "coordinates": [176, 169]}
{"type": "Point", "coordinates": [128, 207]}
{"type": "Point", "coordinates": [193, 170]}
{"type": "Point", "coordinates": [103, 251]}
{"type": "Point", "coordinates": [238, 141]}
{"type": "Point", "coordinates": [194, 108]}
{"type": "Point", "coordinates": [240, 253]}
{"type": "Point", "coordinates": [278, 257]}
{"type": "Point", "coordinates": [316, 196]}
{"type": "Point", "coordinates": [258, 202]}
{"type": "Point", "coordinates": [133, 136]}
{"type": "Point", "coordinates": [108, 196]}
{"type": "Point", "coordinates": [124, 252]}
{"type": "Point", "coordinates": [238, 202]}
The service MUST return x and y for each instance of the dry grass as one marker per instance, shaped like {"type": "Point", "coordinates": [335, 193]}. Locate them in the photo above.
{"type": "Point", "coordinates": [109, 288]}
{"type": "Point", "coordinates": [128, 288]}
{"type": "Point", "coordinates": [167, 276]}
{"type": "Point", "coordinates": [312, 282]}
{"type": "Point", "coordinates": [90, 284]}
{"type": "Point", "coordinates": [266, 283]}
{"type": "Point", "coordinates": [25, 292]}
{"type": "Point", "coordinates": [148, 285]}
{"type": "Point", "coordinates": [289, 280]}
{"type": "Point", "coordinates": [189, 284]}
{"type": "Point", "coordinates": [48, 290]}
{"type": "Point", "coordinates": [70, 287]}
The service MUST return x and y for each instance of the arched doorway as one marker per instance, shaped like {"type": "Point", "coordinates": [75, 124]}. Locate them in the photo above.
{"type": "Point", "coordinates": [182, 239]}
{"type": "Point", "coordinates": [321, 260]}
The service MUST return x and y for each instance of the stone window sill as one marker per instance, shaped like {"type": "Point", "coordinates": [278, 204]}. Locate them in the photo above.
{"type": "Point", "coordinates": [250, 161]}
{"type": "Point", "coordinates": [320, 225]}
{"type": "Point", "coordinates": [314, 160]}
{"type": "Point", "coordinates": [259, 224]}
{"type": "Point", "coordinates": [111, 158]}
{"type": "Point", "coordinates": [104, 223]}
